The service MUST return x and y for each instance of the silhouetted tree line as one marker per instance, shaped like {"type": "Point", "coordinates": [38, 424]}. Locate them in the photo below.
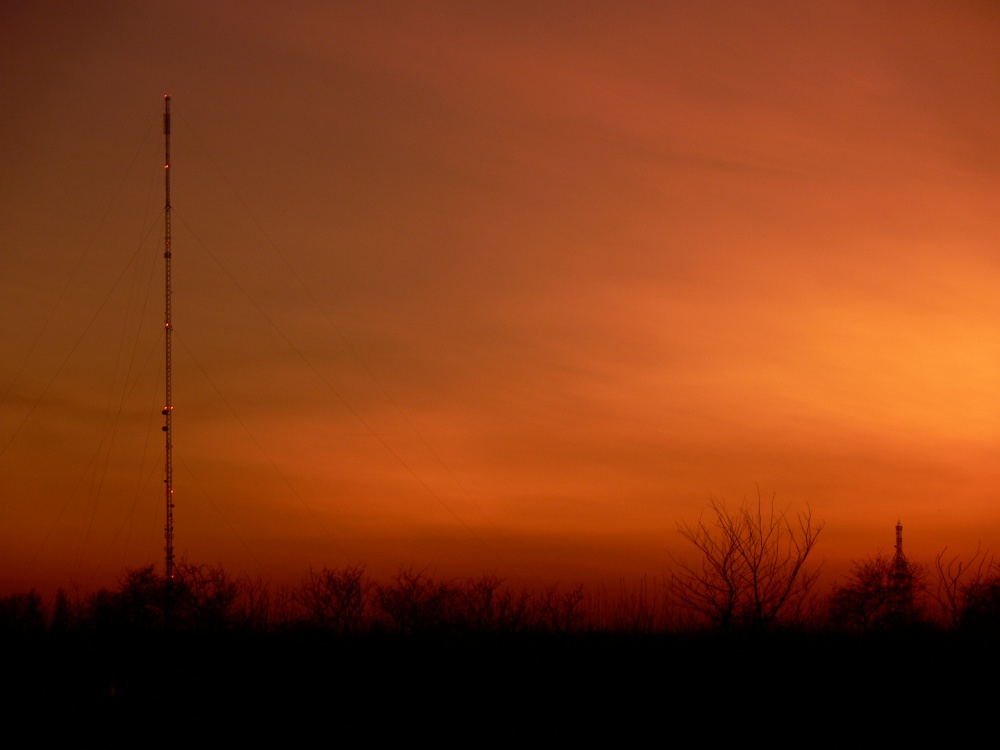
{"type": "Point", "coordinates": [751, 574]}
{"type": "Point", "coordinates": [343, 601]}
{"type": "Point", "coordinates": [954, 595]}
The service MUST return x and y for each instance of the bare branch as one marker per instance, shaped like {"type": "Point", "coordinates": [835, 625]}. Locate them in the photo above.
{"type": "Point", "coordinates": [751, 572]}
{"type": "Point", "coordinates": [956, 580]}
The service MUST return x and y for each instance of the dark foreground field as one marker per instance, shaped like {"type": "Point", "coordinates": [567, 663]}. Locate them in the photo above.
{"type": "Point", "coordinates": [788, 690]}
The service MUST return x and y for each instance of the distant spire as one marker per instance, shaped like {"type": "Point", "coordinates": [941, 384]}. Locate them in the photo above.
{"type": "Point", "coordinates": [899, 566]}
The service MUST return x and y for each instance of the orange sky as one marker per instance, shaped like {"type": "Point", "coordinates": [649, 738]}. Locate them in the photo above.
{"type": "Point", "coordinates": [496, 286]}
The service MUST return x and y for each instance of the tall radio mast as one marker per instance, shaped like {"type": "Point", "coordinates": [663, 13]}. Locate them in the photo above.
{"type": "Point", "coordinates": [169, 406]}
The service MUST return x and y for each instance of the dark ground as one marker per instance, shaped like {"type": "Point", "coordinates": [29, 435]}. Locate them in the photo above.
{"type": "Point", "coordinates": [787, 690]}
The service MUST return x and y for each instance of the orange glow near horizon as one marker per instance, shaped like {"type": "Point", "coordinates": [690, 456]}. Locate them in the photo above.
{"type": "Point", "coordinates": [497, 288]}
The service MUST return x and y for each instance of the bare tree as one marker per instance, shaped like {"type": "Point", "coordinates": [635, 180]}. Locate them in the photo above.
{"type": "Point", "coordinates": [959, 584]}
{"type": "Point", "coordinates": [561, 611]}
{"type": "Point", "coordinates": [253, 603]}
{"type": "Point", "coordinates": [879, 596]}
{"type": "Point", "coordinates": [337, 599]}
{"type": "Point", "coordinates": [141, 601]}
{"type": "Point", "coordinates": [22, 613]}
{"type": "Point", "coordinates": [638, 608]}
{"type": "Point", "coordinates": [415, 603]}
{"type": "Point", "coordinates": [968, 593]}
{"type": "Point", "coordinates": [981, 610]}
{"type": "Point", "coordinates": [203, 596]}
{"type": "Point", "coordinates": [488, 605]}
{"type": "Point", "coordinates": [752, 569]}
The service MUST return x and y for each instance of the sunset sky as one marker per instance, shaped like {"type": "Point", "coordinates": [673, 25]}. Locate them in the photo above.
{"type": "Point", "coordinates": [495, 286]}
